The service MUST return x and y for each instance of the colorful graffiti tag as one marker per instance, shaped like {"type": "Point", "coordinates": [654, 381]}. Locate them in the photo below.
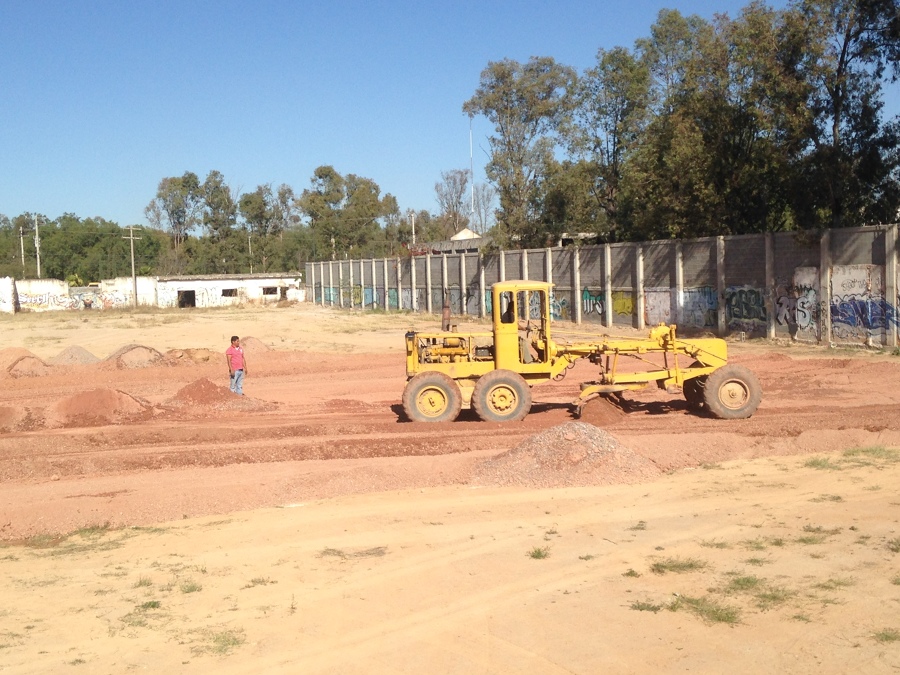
{"type": "Point", "coordinates": [859, 311]}
{"type": "Point", "coordinates": [700, 306]}
{"type": "Point", "coordinates": [745, 309]}
{"type": "Point", "coordinates": [591, 304]}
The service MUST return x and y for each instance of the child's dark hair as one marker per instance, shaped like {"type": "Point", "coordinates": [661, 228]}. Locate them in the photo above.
{"type": "Point", "coordinates": [234, 338]}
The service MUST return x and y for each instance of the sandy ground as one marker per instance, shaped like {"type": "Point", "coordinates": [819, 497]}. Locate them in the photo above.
{"type": "Point", "coordinates": [153, 522]}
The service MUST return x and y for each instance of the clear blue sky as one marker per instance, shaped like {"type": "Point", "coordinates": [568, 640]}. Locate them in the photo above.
{"type": "Point", "coordinates": [100, 99]}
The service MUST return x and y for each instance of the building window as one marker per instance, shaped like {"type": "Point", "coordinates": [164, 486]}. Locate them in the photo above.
{"type": "Point", "coordinates": [270, 290]}
{"type": "Point", "coordinates": [229, 292]}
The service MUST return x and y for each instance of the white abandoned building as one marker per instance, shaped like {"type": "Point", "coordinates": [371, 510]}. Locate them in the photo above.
{"type": "Point", "coordinates": [220, 290]}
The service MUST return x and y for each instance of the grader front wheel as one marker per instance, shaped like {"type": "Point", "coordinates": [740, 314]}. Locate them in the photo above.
{"type": "Point", "coordinates": [732, 393]}
{"type": "Point", "coordinates": [501, 396]}
{"type": "Point", "coordinates": [432, 397]}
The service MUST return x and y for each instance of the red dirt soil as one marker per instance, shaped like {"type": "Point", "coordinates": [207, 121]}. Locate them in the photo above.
{"type": "Point", "coordinates": [142, 444]}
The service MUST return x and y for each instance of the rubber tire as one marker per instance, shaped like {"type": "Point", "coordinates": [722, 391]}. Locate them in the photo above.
{"type": "Point", "coordinates": [501, 396]}
{"type": "Point", "coordinates": [432, 397]}
{"type": "Point", "coordinates": [732, 393]}
{"type": "Point", "coordinates": [693, 389]}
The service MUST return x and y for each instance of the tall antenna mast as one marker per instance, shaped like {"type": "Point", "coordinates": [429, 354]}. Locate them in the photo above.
{"type": "Point", "coordinates": [472, 169]}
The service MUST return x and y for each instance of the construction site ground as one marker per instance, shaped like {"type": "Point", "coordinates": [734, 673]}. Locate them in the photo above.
{"type": "Point", "coordinates": [151, 520]}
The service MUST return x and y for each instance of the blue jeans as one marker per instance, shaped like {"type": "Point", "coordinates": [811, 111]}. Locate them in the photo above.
{"type": "Point", "coordinates": [237, 382]}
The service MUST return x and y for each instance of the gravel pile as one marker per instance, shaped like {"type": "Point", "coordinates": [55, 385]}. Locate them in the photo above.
{"type": "Point", "coordinates": [574, 454]}
{"type": "Point", "coordinates": [73, 356]}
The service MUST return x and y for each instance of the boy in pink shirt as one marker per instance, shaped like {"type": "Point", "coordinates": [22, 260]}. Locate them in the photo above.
{"type": "Point", "coordinates": [237, 365]}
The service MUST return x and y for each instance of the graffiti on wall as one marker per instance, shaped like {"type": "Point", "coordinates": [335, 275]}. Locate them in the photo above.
{"type": "Point", "coordinates": [657, 306]}
{"type": "Point", "coordinates": [591, 304]}
{"type": "Point", "coordinates": [859, 312]}
{"type": "Point", "coordinates": [559, 308]}
{"type": "Point", "coordinates": [745, 309]}
{"type": "Point", "coordinates": [700, 307]}
{"type": "Point", "coordinates": [623, 304]}
{"type": "Point", "coordinates": [41, 302]}
{"type": "Point", "coordinates": [797, 304]}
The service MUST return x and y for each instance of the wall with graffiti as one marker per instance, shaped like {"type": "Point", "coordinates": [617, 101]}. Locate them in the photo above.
{"type": "Point", "coordinates": [42, 295]}
{"type": "Point", "coordinates": [700, 307]}
{"type": "Point", "coordinates": [745, 309]}
{"type": "Point", "coordinates": [658, 306]}
{"type": "Point", "coordinates": [797, 305]}
{"type": "Point", "coordinates": [766, 284]}
{"type": "Point", "coordinates": [859, 311]}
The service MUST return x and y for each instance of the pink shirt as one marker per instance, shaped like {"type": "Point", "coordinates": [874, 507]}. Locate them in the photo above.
{"type": "Point", "coordinates": [236, 354]}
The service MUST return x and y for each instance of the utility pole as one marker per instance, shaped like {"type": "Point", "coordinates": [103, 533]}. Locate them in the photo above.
{"type": "Point", "coordinates": [131, 238]}
{"type": "Point", "coordinates": [22, 247]}
{"type": "Point", "coordinates": [37, 245]}
{"type": "Point", "coordinates": [250, 248]}
{"type": "Point", "coordinates": [412, 219]}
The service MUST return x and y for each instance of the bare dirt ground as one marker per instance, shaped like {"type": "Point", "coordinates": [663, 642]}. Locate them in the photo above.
{"type": "Point", "coordinates": [153, 521]}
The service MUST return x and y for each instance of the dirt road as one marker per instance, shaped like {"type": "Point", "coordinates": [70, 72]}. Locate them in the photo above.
{"type": "Point", "coordinates": [397, 539]}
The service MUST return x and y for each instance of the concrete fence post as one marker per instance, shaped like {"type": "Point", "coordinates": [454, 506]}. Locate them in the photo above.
{"type": "Point", "coordinates": [722, 322]}
{"type": "Point", "coordinates": [428, 303]}
{"type": "Point", "coordinates": [607, 286]}
{"type": "Point", "coordinates": [825, 287]}
{"type": "Point", "coordinates": [387, 292]}
{"type": "Point", "coordinates": [482, 310]}
{"type": "Point", "coordinates": [399, 284]}
{"type": "Point", "coordinates": [770, 285]}
{"type": "Point", "coordinates": [576, 285]}
{"type": "Point", "coordinates": [640, 300]}
{"type": "Point", "coordinates": [462, 285]}
{"type": "Point", "coordinates": [679, 282]}
{"type": "Point", "coordinates": [350, 281]}
{"type": "Point", "coordinates": [331, 281]}
{"type": "Point", "coordinates": [414, 296]}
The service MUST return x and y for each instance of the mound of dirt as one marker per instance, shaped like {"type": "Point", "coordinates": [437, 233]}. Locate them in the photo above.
{"type": "Point", "coordinates": [252, 345]}
{"type": "Point", "coordinates": [574, 454]}
{"type": "Point", "coordinates": [10, 355]}
{"type": "Point", "coordinates": [602, 412]}
{"type": "Point", "coordinates": [190, 355]}
{"type": "Point", "coordinates": [96, 407]}
{"type": "Point", "coordinates": [20, 419]}
{"type": "Point", "coordinates": [73, 355]}
{"type": "Point", "coordinates": [134, 356]}
{"type": "Point", "coordinates": [203, 392]}
{"type": "Point", "coordinates": [28, 366]}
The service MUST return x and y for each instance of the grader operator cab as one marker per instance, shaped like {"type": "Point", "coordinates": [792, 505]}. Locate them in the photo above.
{"type": "Point", "coordinates": [494, 372]}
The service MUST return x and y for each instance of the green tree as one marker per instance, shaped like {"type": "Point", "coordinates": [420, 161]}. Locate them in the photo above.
{"type": "Point", "coordinates": [177, 206]}
{"type": "Point", "coordinates": [451, 192]}
{"type": "Point", "coordinates": [852, 167]}
{"type": "Point", "coordinates": [260, 210]}
{"type": "Point", "coordinates": [346, 213]}
{"type": "Point", "coordinates": [610, 110]}
{"type": "Point", "coordinates": [526, 103]}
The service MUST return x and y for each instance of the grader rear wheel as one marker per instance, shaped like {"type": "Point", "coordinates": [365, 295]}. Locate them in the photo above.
{"type": "Point", "coordinates": [501, 396]}
{"type": "Point", "coordinates": [432, 397]}
{"type": "Point", "coordinates": [732, 393]}
{"type": "Point", "coordinates": [693, 389]}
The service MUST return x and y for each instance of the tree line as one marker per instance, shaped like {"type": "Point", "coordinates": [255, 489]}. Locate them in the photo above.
{"type": "Point", "coordinates": [769, 121]}
{"type": "Point", "coordinates": [209, 227]}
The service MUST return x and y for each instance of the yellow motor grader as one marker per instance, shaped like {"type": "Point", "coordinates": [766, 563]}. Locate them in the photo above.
{"type": "Point", "coordinates": [494, 372]}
